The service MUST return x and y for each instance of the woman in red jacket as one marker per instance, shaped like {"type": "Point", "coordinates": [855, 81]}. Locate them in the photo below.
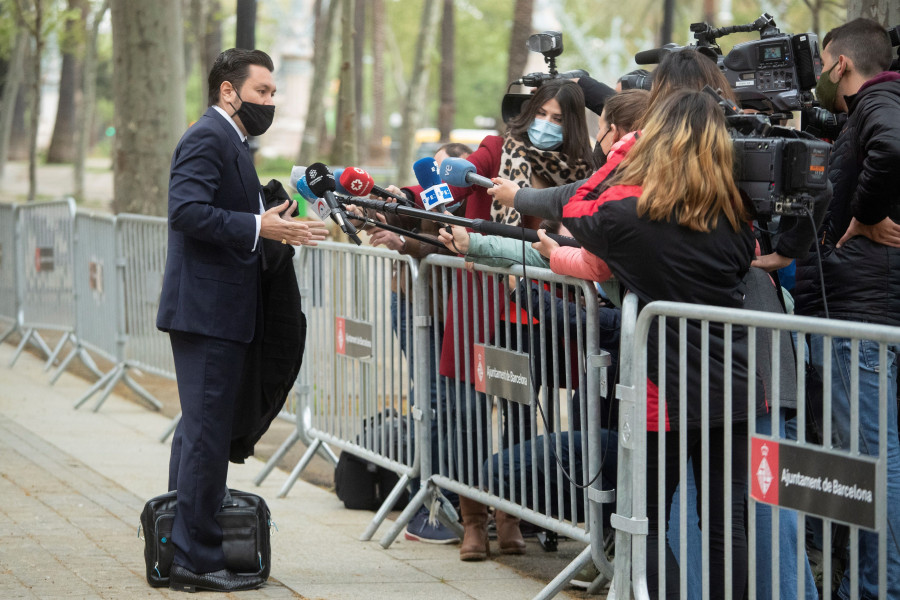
{"type": "Point", "coordinates": [672, 226]}
{"type": "Point", "coordinates": [546, 145]}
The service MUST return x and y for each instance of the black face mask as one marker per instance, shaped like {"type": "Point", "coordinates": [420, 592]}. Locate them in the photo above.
{"type": "Point", "coordinates": [599, 156]}
{"type": "Point", "coordinates": [256, 117]}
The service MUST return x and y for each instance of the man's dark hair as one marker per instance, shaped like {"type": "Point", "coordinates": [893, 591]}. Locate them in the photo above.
{"type": "Point", "coordinates": [234, 65]}
{"type": "Point", "coordinates": [863, 41]}
{"type": "Point", "coordinates": [455, 149]}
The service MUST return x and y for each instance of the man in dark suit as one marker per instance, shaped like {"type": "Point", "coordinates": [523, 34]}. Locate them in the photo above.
{"type": "Point", "coordinates": [210, 303]}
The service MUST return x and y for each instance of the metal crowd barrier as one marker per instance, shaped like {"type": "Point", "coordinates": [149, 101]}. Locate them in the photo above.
{"type": "Point", "coordinates": [355, 380]}
{"type": "Point", "coordinates": [537, 376]}
{"type": "Point", "coordinates": [9, 302]}
{"type": "Point", "coordinates": [141, 244]}
{"type": "Point", "coordinates": [96, 292]}
{"type": "Point", "coordinates": [46, 282]}
{"type": "Point", "coordinates": [840, 485]}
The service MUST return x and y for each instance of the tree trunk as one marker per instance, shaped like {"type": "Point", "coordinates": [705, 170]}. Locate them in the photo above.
{"type": "Point", "coordinates": [311, 143]}
{"type": "Point", "coordinates": [149, 100]}
{"type": "Point", "coordinates": [709, 11]}
{"type": "Point", "coordinates": [665, 31]}
{"type": "Point", "coordinates": [212, 38]}
{"type": "Point", "coordinates": [344, 151]}
{"type": "Point", "coordinates": [18, 137]}
{"type": "Point", "coordinates": [246, 24]}
{"type": "Point", "coordinates": [11, 87]}
{"type": "Point", "coordinates": [447, 108]}
{"type": "Point", "coordinates": [415, 95]}
{"type": "Point", "coordinates": [88, 104]}
{"type": "Point", "coordinates": [35, 96]}
{"type": "Point", "coordinates": [63, 142]}
{"type": "Point", "coordinates": [196, 50]}
{"type": "Point", "coordinates": [521, 29]}
{"type": "Point", "coordinates": [886, 12]}
{"type": "Point", "coordinates": [359, 44]}
{"type": "Point", "coordinates": [376, 149]}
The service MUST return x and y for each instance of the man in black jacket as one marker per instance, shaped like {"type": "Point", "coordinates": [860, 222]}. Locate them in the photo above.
{"type": "Point", "coordinates": [860, 246]}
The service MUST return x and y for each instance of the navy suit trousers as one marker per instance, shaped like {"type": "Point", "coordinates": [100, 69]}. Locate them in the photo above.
{"type": "Point", "coordinates": [209, 372]}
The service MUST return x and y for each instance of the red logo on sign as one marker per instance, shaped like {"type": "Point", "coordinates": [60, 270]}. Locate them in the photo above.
{"type": "Point", "coordinates": [480, 370]}
{"type": "Point", "coordinates": [764, 470]}
{"type": "Point", "coordinates": [340, 335]}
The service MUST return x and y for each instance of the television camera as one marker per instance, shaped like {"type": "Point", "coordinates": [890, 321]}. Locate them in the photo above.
{"type": "Point", "coordinates": [775, 73]}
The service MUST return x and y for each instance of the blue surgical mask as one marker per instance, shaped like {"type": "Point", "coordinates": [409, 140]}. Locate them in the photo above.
{"type": "Point", "coordinates": [545, 135]}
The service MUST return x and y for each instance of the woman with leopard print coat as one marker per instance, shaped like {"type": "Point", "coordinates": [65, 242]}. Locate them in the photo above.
{"type": "Point", "coordinates": [546, 145]}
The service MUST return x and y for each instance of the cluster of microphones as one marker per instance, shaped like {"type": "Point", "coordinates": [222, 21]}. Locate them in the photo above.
{"type": "Point", "coordinates": [328, 192]}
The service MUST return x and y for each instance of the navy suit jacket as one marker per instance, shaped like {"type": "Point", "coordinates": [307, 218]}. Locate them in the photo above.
{"type": "Point", "coordinates": [212, 280]}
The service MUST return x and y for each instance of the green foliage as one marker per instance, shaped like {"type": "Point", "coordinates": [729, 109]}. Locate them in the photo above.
{"type": "Point", "coordinates": [482, 45]}
{"type": "Point", "coordinates": [637, 25]}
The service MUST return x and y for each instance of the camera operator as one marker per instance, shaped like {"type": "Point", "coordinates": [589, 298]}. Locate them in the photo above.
{"type": "Point", "coordinates": [860, 248]}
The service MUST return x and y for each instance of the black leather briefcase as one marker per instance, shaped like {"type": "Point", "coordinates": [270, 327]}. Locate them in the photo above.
{"type": "Point", "coordinates": [245, 522]}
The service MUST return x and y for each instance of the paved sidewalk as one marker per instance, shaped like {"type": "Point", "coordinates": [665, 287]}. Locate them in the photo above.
{"type": "Point", "coordinates": [73, 483]}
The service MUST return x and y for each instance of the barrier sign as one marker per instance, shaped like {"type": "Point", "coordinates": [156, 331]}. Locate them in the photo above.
{"type": "Point", "coordinates": [353, 338]}
{"type": "Point", "coordinates": [43, 259]}
{"type": "Point", "coordinates": [820, 482]}
{"type": "Point", "coordinates": [502, 373]}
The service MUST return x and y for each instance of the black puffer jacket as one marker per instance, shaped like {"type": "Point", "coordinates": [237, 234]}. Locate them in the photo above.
{"type": "Point", "coordinates": [862, 278]}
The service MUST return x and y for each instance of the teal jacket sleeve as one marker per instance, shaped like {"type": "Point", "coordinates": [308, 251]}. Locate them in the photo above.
{"type": "Point", "coordinates": [496, 251]}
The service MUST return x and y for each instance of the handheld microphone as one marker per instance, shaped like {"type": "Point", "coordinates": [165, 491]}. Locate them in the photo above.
{"type": "Point", "coordinates": [296, 173]}
{"type": "Point", "coordinates": [318, 205]}
{"type": "Point", "coordinates": [459, 172]}
{"type": "Point", "coordinates": [303, 189]}
{"type": "Point", "coordinates": [358, 182]}
{"type": "Point", "coordinates": [435, 193]}
{"type": "Point", "coordinates": [338, 187]}
{"type": "Point", "coordinates": [321, 183]}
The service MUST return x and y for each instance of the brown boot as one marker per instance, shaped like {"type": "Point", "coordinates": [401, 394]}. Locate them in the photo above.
{"type": "Point", "coordinates": [508, 534]}
{"type": "Point", "coordinates": [475, 541]}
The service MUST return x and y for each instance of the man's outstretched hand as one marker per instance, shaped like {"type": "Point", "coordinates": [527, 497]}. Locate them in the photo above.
{"type": "Point", "coordinates": [284, 229]}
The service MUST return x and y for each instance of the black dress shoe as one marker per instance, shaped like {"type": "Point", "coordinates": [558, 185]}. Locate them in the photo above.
{"type": "Point", "coordinates": [182, 580]}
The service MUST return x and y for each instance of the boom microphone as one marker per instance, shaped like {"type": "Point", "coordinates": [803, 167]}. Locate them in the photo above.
{"type": "Point", "coordinates": [321, 183]}
{"type": "Point", "coordinates": [435, 193]}
{"type": "Point", "coordinates": [358, 182]}
{"type": "Point", "coordinates": [459, 172]}
{"type": "Point", "coordinates": [654, 56]}
{"type": "Point", "coordinates": [479, 225]}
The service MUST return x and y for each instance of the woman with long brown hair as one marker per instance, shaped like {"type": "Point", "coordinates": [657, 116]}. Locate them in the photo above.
{"type": "Point", "coordinates": [547, 144]}
{"type": "Point", "coordinates": [672, 226]}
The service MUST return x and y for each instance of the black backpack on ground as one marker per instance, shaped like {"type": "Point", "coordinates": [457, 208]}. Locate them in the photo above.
{"type": "Point", "coordinates": [363, 485]}
{"type": "Point", "coordinates": [245, 521]}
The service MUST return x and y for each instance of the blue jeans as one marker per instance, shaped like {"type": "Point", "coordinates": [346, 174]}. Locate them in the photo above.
{"type": "Point", "coordinates": [787, 534]}
{"type": "Point", "coordinates": [694, 536]}
{"type": "Point", "coordinates": [548, 480]}
{"type": "Point", "coordinates": [868, 444]}
{"type": "Point", "coordinates": [400, 319]}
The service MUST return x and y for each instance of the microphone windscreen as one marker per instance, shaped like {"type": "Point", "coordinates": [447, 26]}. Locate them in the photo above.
{"type": "Point", "coordinates": [337, 183]}
{"type": "Point", "coordinates": [356, 181]}
{"type": "Point", "coordinates": [303, 189]}
{"type": "Point", "coordinates": [319, 179]}
{"type": "Point", "coordinates": [453, 171]}
{"type": "Point", "coordinates": [296, 173]}
{"type": "Point", "coordinates": [648, 57]}
{"type": "Point", "coordinates": [426, 170]}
